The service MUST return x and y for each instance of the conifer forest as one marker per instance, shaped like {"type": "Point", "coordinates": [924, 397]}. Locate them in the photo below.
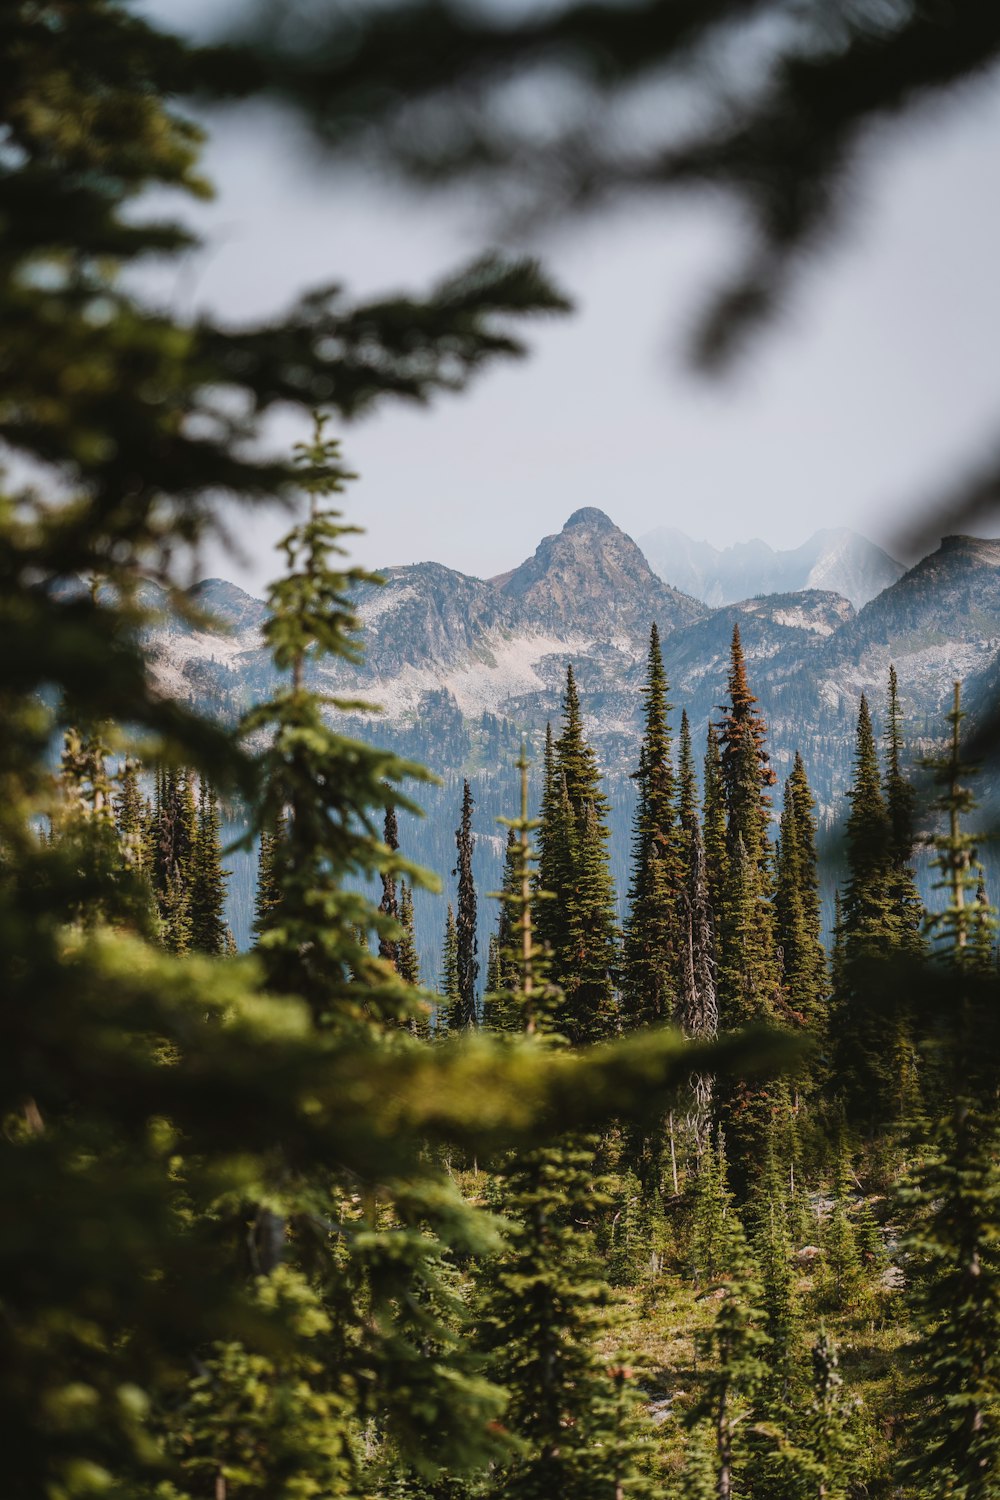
{"type": "Point", "coordinates": [698, 1203]}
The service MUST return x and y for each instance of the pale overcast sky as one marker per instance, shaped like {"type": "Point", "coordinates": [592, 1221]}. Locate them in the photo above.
{"type": "Point", "coordinates": [880, 383]}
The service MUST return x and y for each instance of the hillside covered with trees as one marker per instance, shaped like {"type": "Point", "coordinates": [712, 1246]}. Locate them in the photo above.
{"type": "Point", "coordinates": [686, 1206]}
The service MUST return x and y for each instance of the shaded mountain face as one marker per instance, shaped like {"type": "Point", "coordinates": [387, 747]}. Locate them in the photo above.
{"type": "Point", "coordinates": [592, 577]}
{"type": "Point", "coordinates": [462, 666]}
{"type": "Point", "coordinates": [838, 561]}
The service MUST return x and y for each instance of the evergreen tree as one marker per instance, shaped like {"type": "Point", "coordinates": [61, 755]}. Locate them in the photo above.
{"type": "Point", "coordinates": [715, 1227]}
{"type": "Point", "coordinates": [375, 1270]}
{"type": "Point", "coordinates": [207, 893]}
{"type": "Point", "coordinates": [697, 1004]}
{"type": "Point", "coordinates": [389, 904]}
{"type": "Point", "coordinates": [579, 922]}
{"type": "Point", "coordinates": [746, 768]}
{"type": "Point", "coordinates": [553, 849]}
{"type": "Point", "coordinates": [953, 1437]}
{"type": "Point", "coordinates": [714, 824]}
{"type": "Point", "coordinates": [900, 802]}
{"type": "Point", "coordinates": [735, 1365]}
{"type": "Point", "coordinates": [651, 953]}
{"type": "Point", "coordinates": [467, 944]}
{"type": "Point", "coordinates": [407, 959]}
{"type": "Point", "coordinates": [543, 1299]}
{"type": "Point", "coordinates": [452, 1012]}
{"type": "Point", "coordinates": [267, 896]}
{"type": "Point", "coordinates": [964, 929]}
{"type": "Point", "coordinates": [130, 814]}
{"type": "Point", "coordinates": [747, 973]}
{"type": "Point", "coordinates": [829, 1435]}
{"type": "Point", "coordinates": [772, 1249]}
{"type": "Point", "coordinates": [869, 1038]}
{"type": "Point", "coordinates": [502, 971]}
{"type": "Point", "coordinates": [954, 1192]}
{"type": "Point", "coordinates": [687, 795]}
{"type": "Point", "coordinates": [867, 908]}
{"type": "Point", "coordinates": [796, 904]}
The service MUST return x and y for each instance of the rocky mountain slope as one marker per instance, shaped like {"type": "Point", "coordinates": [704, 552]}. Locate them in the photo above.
{"type": "Point", "coordinates": [462, 667]}
{"type": "Point", "coordinates": [838, 561]}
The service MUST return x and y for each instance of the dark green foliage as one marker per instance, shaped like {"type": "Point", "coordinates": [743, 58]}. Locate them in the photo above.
{"type": "Point", "coordinates": [687, 794]}
{"type": "Point", "coordinates": [267, 896]}
{"type": "Point", "coordinates": [328, 788]}
{"type": "Point", "coordinates": [796, 904]}
{"type": "Point", "coordinates": [567, 1412]}
{"type": "Point", "coordinates": [207, 879]}
{"type": "Point", "coordinates": [714, 823]}
{"type": "Point", "coordinates": [389, 904]}
{"type": "Point", "coordinates": [465, 922]}
{"type": "Point", "coordinates": [872, 1047]}
{"type": "Point", "coordinates": [868, 914]}
{"type": "Point", "coordinates": [715, 1227]}
{"type": "Point", "coordinates": [501, 973]}
{"type": "Point", "coordinates": [747, 969]}
{"type": "Point", "coordinates": [407, 961]}
{"type": "Point", "coordinates": [651, 953]}
{"type": "Point", "coordinates": [448, 989]}
{"type": "Point", "coordinates": [578, 922]}
{"type": "Point", "coordinates": [953, 1439]}
{"type": "Point", "coordinates": [771, 1244]}
{"type": "Point", "coordinates": [734, 1351]}
{"type": "Point", "coordinates": [964, 929]}
{"type": "Point", "coordinates": [569, 1416]}
{"type": "Point", "coordinates": [900, 805]}
{"type": "Point", "coordinates": [131, 814]}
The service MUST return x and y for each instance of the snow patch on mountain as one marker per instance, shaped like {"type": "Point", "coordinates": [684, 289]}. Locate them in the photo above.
{"type": "Point", "coordinates": [503, 668]}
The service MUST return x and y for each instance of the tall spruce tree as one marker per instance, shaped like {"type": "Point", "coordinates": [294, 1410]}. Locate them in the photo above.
{"type": "Point", "coordinates": [870, 1035]}
{"type": "Point", "coordinates": [389, 904]}
{"type": "Point", "coordinates": [407, 959]}
{"type": "Point", "coordinates": [900, 804]}
{"type": "Point", "coordinates": [542, 1301]}
{"type": "Point", "coordinates": [687, 794]}
{"type": "Point", "coordinates": [467, 943]}
{"type": "Point", "coordinates": [451, 1010]}
{"type": "Point", "coordinates": [714, 823]}
{"type": "Point", "coordinates": [697, 1011]}
{"type": "Point", "coordinates": [747, 959]}
{"type": "Point", "coordinates": [131, 813]}
{"type": "Point", "coordinates": [797, 905]}
{"type": "Point", "coordinates": [953, 1195]}
{"type": "Point", "coordinates": [207, 885]}
{"type": "Point", "coordinates": [267, 894]}
{"type": "Point", "coordinates": [651, 953]}
{"type": "Point", "coordinates": [579, 923]}
{"type": "Point", "coordinates": [375, 1271]}
{"type": "Point", "coordinates": [735, 1368]}
{"type": "Point", "coordinates": [498, 1012]}
{"type": "Point", "coordinates": [748, 980]}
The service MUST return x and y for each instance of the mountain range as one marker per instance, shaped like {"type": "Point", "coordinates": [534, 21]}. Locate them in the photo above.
{"type": "Point", "coordinates": [462, 666]}
{"type": "Point", "coordinates": [837, 561]}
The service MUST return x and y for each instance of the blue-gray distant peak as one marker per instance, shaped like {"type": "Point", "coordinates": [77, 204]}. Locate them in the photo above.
{"type": "Point", "coordinates": [837, 561]}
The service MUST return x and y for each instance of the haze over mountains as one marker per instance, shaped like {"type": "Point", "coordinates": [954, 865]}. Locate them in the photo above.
{"type": "Point", "coordinates": [839, 560]}
{"type": "Point", "coordinates": [462, 666]}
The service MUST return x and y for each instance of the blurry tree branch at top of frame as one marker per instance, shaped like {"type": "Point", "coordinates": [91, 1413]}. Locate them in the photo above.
{"type": "Point", "coordinates": [773, 104]}
{"type": "Point", "coordinates": [770, 100]}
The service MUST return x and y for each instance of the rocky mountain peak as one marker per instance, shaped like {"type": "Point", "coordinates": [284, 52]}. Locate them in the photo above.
{"type": "Point", "coordinates": [590, 516]}
{"type": "Point", "coordinates": [591, 576]}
